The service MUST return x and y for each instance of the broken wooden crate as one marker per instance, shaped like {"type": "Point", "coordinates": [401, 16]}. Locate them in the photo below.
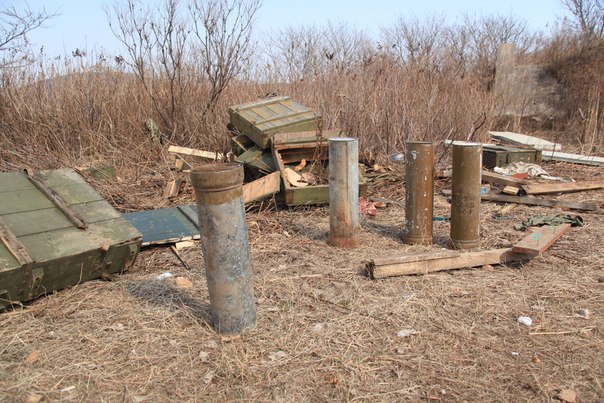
{"type": "Point", "coordinates": [499, 156]}
{"type": "Point", "coordinates": [261, 120]}
{"type": "Point", "coordinates": [290, 149]}
{"type": "Point", "coordinates": [57, 231]}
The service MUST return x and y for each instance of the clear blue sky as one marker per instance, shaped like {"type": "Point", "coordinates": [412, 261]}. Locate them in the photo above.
{"type": "Point", "coordinates": [83, 23]}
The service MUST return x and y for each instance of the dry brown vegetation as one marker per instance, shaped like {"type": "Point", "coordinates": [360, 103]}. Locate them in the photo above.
{"type": "Point", "coordinates": [138, 339]}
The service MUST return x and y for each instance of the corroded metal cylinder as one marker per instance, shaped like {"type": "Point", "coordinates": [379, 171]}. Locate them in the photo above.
{"type": "Point", "coordinates": [465, 198]}
{"type": "Point", "coordinates": [419, 196]}
{"type": "Point", "coordinates": [343, 192]}
{"type": "Point", "coordinates": [225, 246]}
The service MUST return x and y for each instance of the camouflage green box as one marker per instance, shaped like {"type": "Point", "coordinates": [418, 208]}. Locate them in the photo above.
{"type": "Point", "coordinates": [56, 231]}
{"type": "Point", "coordinates": [261, 120]}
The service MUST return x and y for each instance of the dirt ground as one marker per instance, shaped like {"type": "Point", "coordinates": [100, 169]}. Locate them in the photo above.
{"type": "Point", "coordinates": [324, 332]}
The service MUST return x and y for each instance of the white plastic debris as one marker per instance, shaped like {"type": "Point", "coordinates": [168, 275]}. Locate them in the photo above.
{"type": "Point", "coordinates": [406, 332]}
{"type": "Point", "coordinates": [164, 276]}
{"type": "Point", "coordinates": [525, 320]}
{"type": "Point", "coordinates": [584, 313]}
{"type": "Point", "coordinates": [515, 354]}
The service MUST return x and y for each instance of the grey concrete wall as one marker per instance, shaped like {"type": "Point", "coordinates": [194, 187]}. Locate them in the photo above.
{"type": "Point", "coordinates": [525, 90]}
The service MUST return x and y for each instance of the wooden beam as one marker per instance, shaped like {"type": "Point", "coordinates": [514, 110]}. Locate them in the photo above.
{"type": "Point", "coordinates": [14, 246]}
{"type": "Point", "coordinates": [197, 153]}
{"type": "Point", "coordinates": [540, 239]}
{"type": "Point", "coordinates": [427, 262]}
{"type": "Point", "coordinates": [545, 188]}
{"type": "Point", "coordinates": [265, 186]}
{"type": "Point", "coordinates": [534, 201]}
{"type": "Point", "coordinates": [501, 179]}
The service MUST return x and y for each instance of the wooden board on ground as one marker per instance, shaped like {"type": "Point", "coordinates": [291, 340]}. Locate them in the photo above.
{"type": "Point", "coordinates": [265, 186]}
{"type": "Point", "coordinates": [524, 140]}
{"type": "Point", "coordinates": [501, 179]}
{"type": "Point", "coordinates": [535, 201]}
{"type": "Point", "coordinates": [540, 239]}
{"type": "Point", "coordinates": [573, 158]}
{"type": "Point", "coordinates": [545, 188]}
{"type": "Point", "coordinates": [164, 226]}
{"type": "Point", "coordinates": [427, 262]}
{"type": "Point", "coordinates": [197, 153]}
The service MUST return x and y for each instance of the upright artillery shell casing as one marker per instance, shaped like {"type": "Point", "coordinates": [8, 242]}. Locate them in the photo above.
{"type": "Point", "coordinates": [225, 246]}
{"type": "Point", "coordinates": [465, 198]}
{"type": "Point", "coordinates": [419, 194]}
{"type": "Point", "coordinates": [343, 192]}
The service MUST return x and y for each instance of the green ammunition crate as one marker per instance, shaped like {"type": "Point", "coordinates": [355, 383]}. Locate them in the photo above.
{"type": "Point", "coordinates": [261, 120]}
{"type": "Point", "coordinates": [289, 149]}
{"type": "Point", "coordinates": [57, 231]}
{"type": "Point", "coordinates": [499, 156]}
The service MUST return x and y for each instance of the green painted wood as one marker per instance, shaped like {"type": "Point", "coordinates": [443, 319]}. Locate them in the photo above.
{"type": "Point", "coordinates": [261, 121]}
{"type": "Point", "coordinates": [23, 200]}
{"type": "Point", "coordinates": [163, 225]}
{"type": "Point", "coordinates": [62, 254]}
{"type": "Point", "coordinates": [96, 211]}
{"type": "Point", "coordinates": [13, 181]}
{"type": "Point", "coordinates": [47, 246]}
{"type": "Point", "coordinates": [118, 230]}
{"type": "Point", "coordinates": [7, 260]}
{"type": "Point", "coordinates": [36, 221]}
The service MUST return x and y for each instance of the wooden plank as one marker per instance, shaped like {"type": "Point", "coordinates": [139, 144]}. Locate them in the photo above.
{"type": "Point", "coordinates": [501, 179]}
{"type": "Point", "coordinates": [172, 188]}
{"type": "Point", "coordinates": [56, 199]}
{"type": "Point", "coordinates": [215, 156]}
{"type": "Point", "coordinates": [36, 221]}
{"type": "Point", "coordinates": [304, 137]}
{"type": "Point", "coordinates": [96, 211]}
{"type": "Point", "coordinates": [525, 140]}
{"type": "Point", "coordinates": [545, 188]}
{"type": "Point", "coordinates": [267, 101]}
{"type": "Point", "coordinates": [163, 226]}
{"type": "Point", "coordinates": [511, 190]}
{"type": "Point", "coordinates": [23, 200]}
{"type": "Point", "coordinates": [540, 239]}
{"type": "Point", "coordinates": [534, 201]}
{"type": "Point", "coordinates": [14, 246]}
{"type": "Point", "coordinates": [414, 257]}
{"type": "Point", "coordinates": [573, 158]}
{"type": "Point", "coordinates": [265, 186]}
{"type": "Point", "coordinates": [467, 259]}
{"type": "Point", "coordinates": [14, 181]}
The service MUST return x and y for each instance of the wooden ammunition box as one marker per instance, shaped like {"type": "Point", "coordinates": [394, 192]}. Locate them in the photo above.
{"type": "Point", "coordinates": [57, 231]}
{"type": "Point", "coordinates": [499, 156]}
{"type": "Point", "coordinates": [261, 120]}
{"type": "Point", "coordinates": [289, 149]}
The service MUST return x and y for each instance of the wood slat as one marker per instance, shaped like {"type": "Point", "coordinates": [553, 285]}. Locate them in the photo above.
{"type": "Point", "coordinates": [14, 246]}
{"type": "Point", "coordinates": [541, 239]}
{"type": "Point", "coordinates": [535, 201]}
{"type": "Point", "coordinates": [23, 200]}
{"type": "Point", "coordinates": [545, 188]}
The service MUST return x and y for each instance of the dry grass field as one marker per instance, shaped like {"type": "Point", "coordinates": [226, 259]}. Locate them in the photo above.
{"type": "Point", "coordinates": [324, 331]}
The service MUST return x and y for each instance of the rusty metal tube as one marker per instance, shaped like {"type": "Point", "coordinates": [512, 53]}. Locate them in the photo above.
{"type": "Point", "coordinates": [465, 198]}
{"type": "Point", "coordinates": [343, 192]}
{"type": "Point", "coordinates": [419, 195]}
{"type": "Point", "coordinates": [225, 246]}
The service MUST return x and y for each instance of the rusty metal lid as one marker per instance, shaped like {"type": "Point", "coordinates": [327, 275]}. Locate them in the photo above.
{"type": "Point", "coordinates": [217, 177]}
